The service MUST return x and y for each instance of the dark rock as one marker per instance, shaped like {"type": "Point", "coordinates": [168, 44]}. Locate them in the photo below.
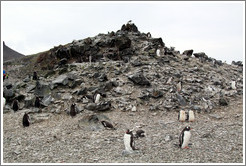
{"type": "Point", "coordinates": [8, 85]}
{"type": "Point", "coordinates": [82, 91]}
{"type": "Point", "coordinates": [139, 79]}
{"type": "Point", "coordinates": [201, 55]}
{"type": "Point", "coordinates": [63, 61]}
{"type": "Point", "coordinates": [181, 100]}
{"type": "Point", "coordinates": [129, 28]}
{"type": "Point", "coordinates": [238, 63]}
{"type": "Point", "coordinates": [103, 106]}
{"type": "Point", "coordinates": [188, 53]}
{"type": "Point", "coordinates": [223, 101]}
{"type": "Point", "coordinates": [103, 77]}
{"type": "Point", "coordinates": [156, 93]}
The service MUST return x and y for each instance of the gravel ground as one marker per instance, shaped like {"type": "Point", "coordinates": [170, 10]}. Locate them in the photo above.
{"type": "Point", "coordinates": [217, 137]}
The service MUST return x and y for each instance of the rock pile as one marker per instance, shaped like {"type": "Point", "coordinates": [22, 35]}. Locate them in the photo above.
{"type": "Point", "coordinates": [124, 66]}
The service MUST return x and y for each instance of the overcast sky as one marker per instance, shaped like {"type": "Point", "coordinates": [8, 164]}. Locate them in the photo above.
{"type": "Point", "coordinates": [216, 28]}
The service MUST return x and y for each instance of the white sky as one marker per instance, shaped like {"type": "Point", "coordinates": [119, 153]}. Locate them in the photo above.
{"type": "Point", "coordinates": [216, 28]}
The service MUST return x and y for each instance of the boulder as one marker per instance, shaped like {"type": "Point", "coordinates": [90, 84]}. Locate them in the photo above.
{"type": "Point", "coordinates": [103, 106]}
{"type": "Point", "coordinates": [139, 79]}
{"type": "Point", "coordinates": [188, 53]}
{"type": "Point", "coordinates": [42, 89]}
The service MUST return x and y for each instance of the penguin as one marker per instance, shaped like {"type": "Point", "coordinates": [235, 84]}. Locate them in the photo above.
{"type": "Point", "coordinates": [25, 120]}
{"type": "Point", "coordinates": [4, 102]}
{"type": "Point", "coordinates": [106, 124]}
{"type": "Point", "coordinates": [233, 85]}
{"type": "Point", "coordinates": [129, 141]}
{"type": "Point", "coordinates": [72, 110]}
{"type": "Point", "coordinates": [179, 87]}
{"type": "Point", "coordinates": [182, 116]}
{"type": "Point", "coordinates": [35, 76]}
{"type": "Point", "coordinates": [97, 97]}
{"type": "Point", "coordinates": [15, 105]}
{"type": "Point", "coordinates": [139, 133]}
{"type": "Point", "coordinates": [184, 138]}
{"type": "Point", "coordinates": [37, 102]}
{"type": "Point", "coordinates": [148, 35]}
{"type": "Point", "coordinates": [129, 22]}
{"type": "Point", "coordinates": [191, 116]}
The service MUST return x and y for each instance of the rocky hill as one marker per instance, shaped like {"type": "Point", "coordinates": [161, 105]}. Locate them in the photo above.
{"type": "Point", "coordinates": [10, 54]}
{"type": "Point", "coordinates": [143, 84]}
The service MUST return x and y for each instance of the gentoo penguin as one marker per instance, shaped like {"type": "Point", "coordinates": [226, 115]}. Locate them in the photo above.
{"type": "Point", "coordinates": [182, 116]}
{"type": "Point", "coordinates": [106, 124]}
{"type": "Point", "coordinates": [129, 22]}
{"type": "Point", "coordinates": [139, 133]}
{"type": "Point", "coordinates": [4, 102]}
{"type": "Point", "coordinates": [37, 102]}
{"type": "Point", "coordinates": [148, 35]}
{"type": "Point", "coordinates": [233, 85]}
{"type": "Point", "coordinates": [35, 76]}
{"type": "Point", "coordinates": [179, 87]}
{"type": "Point", "coordinates": [15, 105]}
{"type": "Point", "coordinates": [191, 116]}
{"type": "Point", "coordinates": [25, 120]}
{"type": "Point", "coordinates": [184, 137]}
{"type": "Point", "coordinates": [72, 110]}
{"type": "Point", "coordinates": [128, 141]}
{"type": "Point", "coordinates": [97, 97]}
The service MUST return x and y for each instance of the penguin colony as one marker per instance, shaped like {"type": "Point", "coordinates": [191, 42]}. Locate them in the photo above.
{"type": "Point", "coordinates": [128, 136]}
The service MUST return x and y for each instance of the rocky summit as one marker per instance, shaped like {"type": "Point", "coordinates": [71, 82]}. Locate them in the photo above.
{"type": "Point", "coordinates": [142, 84]}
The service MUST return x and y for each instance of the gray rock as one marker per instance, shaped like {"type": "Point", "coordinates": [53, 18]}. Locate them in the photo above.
{"type": "Point", "coordinates": [61, 80]}
{"type": "Point", "coordinates": [29, 101]}
{"type": "Point", "coordinates": [139, 79]}
{"type": "Point", "coordinates": [103, 106]}
{"type": "Point", "coordinates": [47, 100]}
{"type": "Point", "coordinates": [42, 89]}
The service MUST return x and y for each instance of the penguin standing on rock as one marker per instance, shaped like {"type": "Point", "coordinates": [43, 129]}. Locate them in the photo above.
{"type": "Point", "coordinates": [15, 105]}
{"type": "Point", "coordinates": [129, 141]}
{"type": "Point", "coordinates": [72, 110]}
{"type": "Point", "coordinates": [108, 125]}
{"type": "Point", "coordinates": [25, 120]}
{"type": "Point", "coordinates": [184, 138]}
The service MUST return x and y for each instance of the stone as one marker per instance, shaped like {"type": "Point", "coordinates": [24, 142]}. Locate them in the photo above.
{"type": "Point", "coordinates": [103, 106]}
{"type": "Point", "coordinates": [188, 52]}
{"type": "Point", "coordinates": [29, 101]}
{"type": "Point", "coordinates": [139, 79]}
{"type": "Point", "coordinates": [61, 80]}
{"type": "Point", "coordinates": [223, 101]}
{"type": "Point", "coordinates": [42, 89]}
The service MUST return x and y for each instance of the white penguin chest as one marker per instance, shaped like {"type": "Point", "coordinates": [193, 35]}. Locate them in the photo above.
{"type": "Point", "coordinates": [127, 141]}
{"type": "Point", "coordinates": [182, 115]}
{"type": "Point", "coordinates": [186, 139]}
{"type": "Point", "coordinates": [191, 116]}
{"type": "Point", "coordinates": [97, 98]}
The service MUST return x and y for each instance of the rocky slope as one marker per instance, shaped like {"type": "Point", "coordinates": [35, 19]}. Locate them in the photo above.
{"type": "Point", "coordinates": [129, 69]}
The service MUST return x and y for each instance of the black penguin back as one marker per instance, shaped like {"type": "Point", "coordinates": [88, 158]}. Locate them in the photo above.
{"type": "Point", "coordinates": [107, 124]}
{"type": "Point", "coordinates": [72, 110]}
{"type": "Point", "coordinates": [15, 105]}
{"type": "Point", "coordinates": [35, 76]}
{"type": "Point", "coordinates": [25, 120]}
{"type": "Point", "coordinates": [37, 102]}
